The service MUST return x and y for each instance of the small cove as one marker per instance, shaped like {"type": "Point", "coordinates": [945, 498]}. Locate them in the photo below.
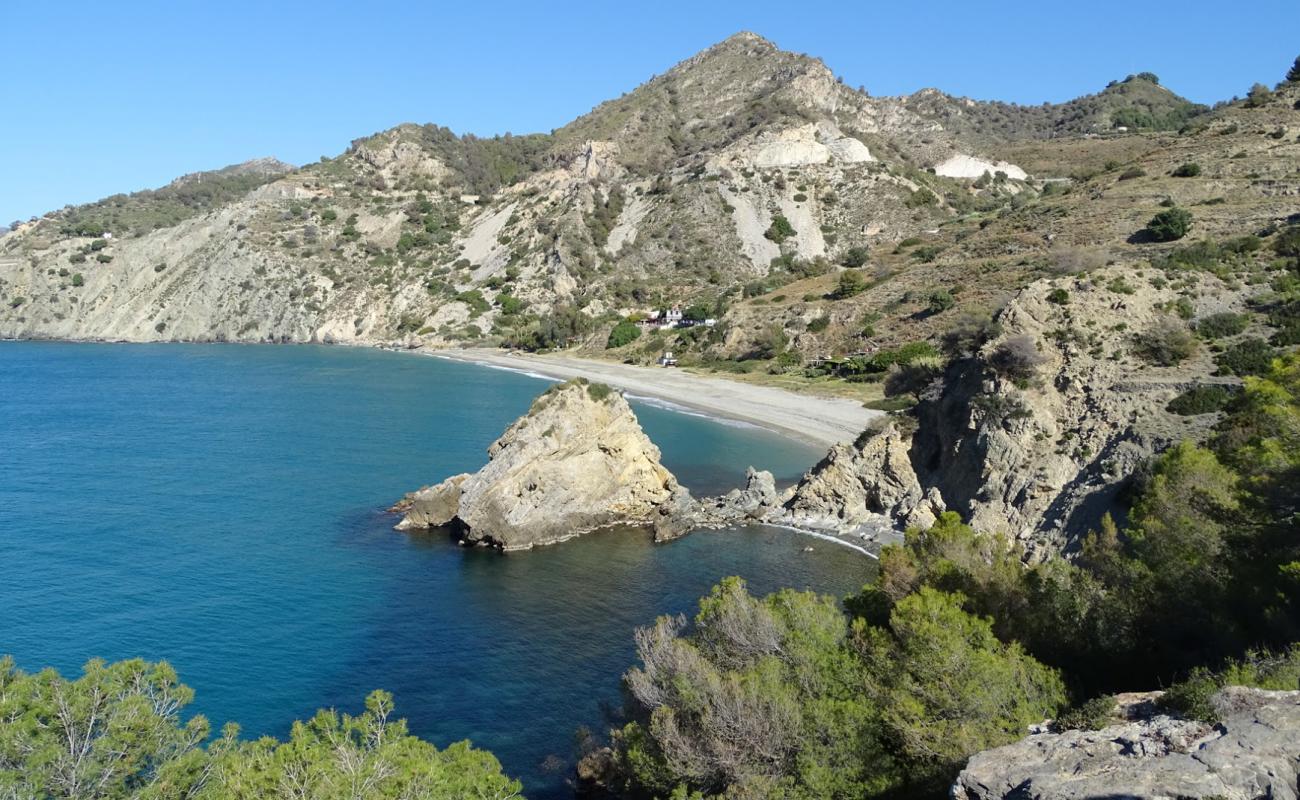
{"type": "Point", "coordinates": [221, 507]}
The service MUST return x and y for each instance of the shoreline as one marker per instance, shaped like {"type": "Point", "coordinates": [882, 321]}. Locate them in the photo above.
{"type": "Point", "coordinates": [820, 421]}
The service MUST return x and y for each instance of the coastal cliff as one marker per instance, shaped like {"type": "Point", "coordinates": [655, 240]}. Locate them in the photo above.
{"type": "Point", "coordinates": [578, 461]}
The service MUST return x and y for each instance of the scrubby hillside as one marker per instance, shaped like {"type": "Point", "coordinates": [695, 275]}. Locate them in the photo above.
{"type": "Point", "coordinates": [882, 247]}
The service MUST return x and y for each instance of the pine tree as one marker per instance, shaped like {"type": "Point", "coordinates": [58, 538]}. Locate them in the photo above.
{"type": "Point", "coordinates": [1293, 75]}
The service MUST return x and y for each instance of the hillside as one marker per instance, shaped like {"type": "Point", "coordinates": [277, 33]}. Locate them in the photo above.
{"type": "Point", "coordinates": [840, 242]}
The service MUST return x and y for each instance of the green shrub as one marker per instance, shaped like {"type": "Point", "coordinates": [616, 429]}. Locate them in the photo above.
{"type": "Point", "coordinates": [78, 279]}
{"type": "Point", "coordinates": [920, 198]}
{"type": "Point", "coordinates": [1119, 285]}
{"type": "Point", "coordinates": [1058, 296]}
{"type": "Point", "coordinates": [475, 300]}
{"type": "Point", "coordinates": [1252, 356]}
{"type": "Point", "coordinates": [819, 324]}
{"type": "Point", "coordinates": [1170, 225]}
{"type": "Point", "coordinates": [940, 300]}
{"type": "Point", "coordinates": [1166, 344]}
{"type": "Point", "coordinates": [1221, 325]}
{"type": "Point", "coordinates": [624, 333]}
{"type": "Point", "coordinates": [1131, 173]}
{"type": "Point", "coordinates": [927, 253]}
{"type": "Point", "coordinates": [103, 258]}
{"type": "Point", "coordinates": [1188, 170]}
{"type": "Point", "coordinates": [780, 229]}
{"type": "Point", "coordinates": [599, 391]}
{"type": "Point", "coordinates": [1260, 670]}
{"type": "Point", "coordinates": [329, 215]}
{"type": "Point", "coordinates": [850, 283]}
{"type": "Point", "coordinates": [855, 257]}
{"type": "Point", "coordinates": [1201, 399]}
{"type": "Point", "coordinates": [1092, 715]}
{"type": "Point", "coordinates": [1287, 244]}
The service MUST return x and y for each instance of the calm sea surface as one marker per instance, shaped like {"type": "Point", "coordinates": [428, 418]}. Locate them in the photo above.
{"type": "Point", "coordinates": [222, 507]}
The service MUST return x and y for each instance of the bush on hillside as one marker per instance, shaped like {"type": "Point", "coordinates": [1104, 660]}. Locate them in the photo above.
{"type": "Point", "coordinates": [855, 257]}
{"type": "Point", "coordinates": [1221, 325]}
{"type": "Point", "coordinates": [1188, 170]}
{"type": "Point", "coordinates": [624, 333]}
{"type": "Point", "coordinates": [1252, 356]}
{"type": "Point", "coordinates": [1017, 358]}
{"type": "Point", "coordinates": [1200, 399]}
{"type": "Point", "coordinates": [1170, 225]}
{"type": "Point", "coordinates": [850, 283]}
{"type": "Point", "coordinates": [1167, 343]}
{"type": "Point", "coordinates": [779, 230]}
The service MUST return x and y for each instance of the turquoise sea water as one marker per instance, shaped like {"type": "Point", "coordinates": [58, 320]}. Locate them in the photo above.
{"type": "Point", "coordinates": [222, 507]}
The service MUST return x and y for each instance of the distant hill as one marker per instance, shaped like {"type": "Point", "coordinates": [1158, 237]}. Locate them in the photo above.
{"type": "Point", "coordinates": [185, 197]}
{"type": "Point", "coordinates": [1137, 103]}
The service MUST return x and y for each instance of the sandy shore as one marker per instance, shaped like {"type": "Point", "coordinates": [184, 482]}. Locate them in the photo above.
{"type": "Point", "coordinates": [818, 420]}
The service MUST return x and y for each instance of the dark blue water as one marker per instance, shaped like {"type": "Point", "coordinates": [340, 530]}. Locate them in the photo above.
{"type": "Point", "coordinates": [221, 507]}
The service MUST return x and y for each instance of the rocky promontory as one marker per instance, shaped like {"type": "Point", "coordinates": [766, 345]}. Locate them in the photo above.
{"type": "Point", "coordinates": [578, 461]}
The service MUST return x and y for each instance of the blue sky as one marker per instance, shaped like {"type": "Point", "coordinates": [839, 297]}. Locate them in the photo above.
{"type": "Point", "coordinates": [101, 97]}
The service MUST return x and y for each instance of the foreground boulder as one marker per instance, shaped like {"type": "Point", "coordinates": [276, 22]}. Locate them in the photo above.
{"type": "Point", "coordinates": [576, 462]}
{"type": "Point", "coordinates": [1253, 751]}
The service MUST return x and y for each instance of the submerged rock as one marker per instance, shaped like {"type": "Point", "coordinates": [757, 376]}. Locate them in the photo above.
{"type": "Point", "coordinates": [576, 462]}
{"type": "Point", "coordinates": [1253, 751]}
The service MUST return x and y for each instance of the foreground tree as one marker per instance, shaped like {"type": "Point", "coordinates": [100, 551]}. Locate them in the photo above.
{"type": "Point", "coordinates": [117, 732]}
{"type": "Point", "coordinates": [786, 697]}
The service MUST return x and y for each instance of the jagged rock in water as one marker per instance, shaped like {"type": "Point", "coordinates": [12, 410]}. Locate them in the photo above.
{"type": "Point", "coordinates": [756, 501]}
{"type": "Point", "coordinates": [576, 462]}
{"type": "Point", "coordinates": [1253, 751]}
{"type": "Point", "coordinates": [865, 482]}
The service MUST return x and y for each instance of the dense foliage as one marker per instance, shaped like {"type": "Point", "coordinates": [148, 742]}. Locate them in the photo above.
{"type": "Point", "coordinates": [958, 646]}
{"type": "Point", "coordinates": [118, 732]}
{"type": "Point", "coordinates": [786, 696]}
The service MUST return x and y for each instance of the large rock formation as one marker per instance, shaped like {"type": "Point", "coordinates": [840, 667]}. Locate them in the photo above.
{"type": "Point", "coordinates": [1035, 433]}
{"type": "Point", "coordinates": [1253, 751]}
{"type": "Point", "coordinates": [576, 462]}
{"type": "Point", "coordinates": [869, 482]}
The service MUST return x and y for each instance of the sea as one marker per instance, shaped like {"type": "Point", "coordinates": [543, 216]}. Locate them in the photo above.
{"type": "Point", "coordinates": [223, 508]}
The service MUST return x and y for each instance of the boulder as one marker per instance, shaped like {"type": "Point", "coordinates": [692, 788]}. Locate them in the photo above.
{"type": "Point", "coordinates": [1253, 751]}
{"type": "Point", "coordinates": [576, 462]}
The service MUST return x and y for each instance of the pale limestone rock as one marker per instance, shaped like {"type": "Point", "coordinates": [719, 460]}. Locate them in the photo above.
{"type": "Point", "coordinates": [961, 165]}
{"type": "Point", "coordinates": [432, 506]}
{"type": "Point", "coordinates": [577, 462]}
{"type": "Point", "coordinates": [861, 482]}
{"type": "Point", "coordinates": [1254, 751]}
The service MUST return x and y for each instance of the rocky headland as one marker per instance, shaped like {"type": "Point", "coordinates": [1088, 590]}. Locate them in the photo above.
{"type": "Point", "coordinates": [578, 461]}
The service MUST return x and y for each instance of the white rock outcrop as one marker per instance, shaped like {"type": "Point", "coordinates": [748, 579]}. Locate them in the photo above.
{"type": "Point", "coordinates": [578, 461]}
{"type": "Point", "coordinates": [961, 165]}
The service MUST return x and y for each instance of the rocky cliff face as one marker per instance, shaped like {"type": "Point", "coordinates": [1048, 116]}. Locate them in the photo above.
{"type": "Point", "coordinates": [577, 462]}
{"type": "Point", "coordinates": [1035, 433]}
{"type": "Point", "coordinates": [1253, 751]}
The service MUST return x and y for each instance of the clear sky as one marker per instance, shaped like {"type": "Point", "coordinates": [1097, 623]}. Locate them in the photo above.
{"type": "Point", "coordinates": [102, 97]}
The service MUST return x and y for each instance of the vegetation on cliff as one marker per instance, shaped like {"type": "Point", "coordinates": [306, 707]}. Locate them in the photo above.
{"type": "Point", "coordinates": [957, 646]}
